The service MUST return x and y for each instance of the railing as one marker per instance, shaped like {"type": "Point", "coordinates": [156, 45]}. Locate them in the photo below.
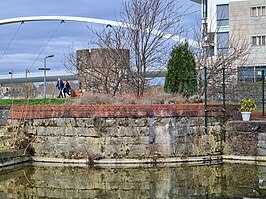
{"type": "Point", "coordinates": [38, 76]}
{"type": "Point", "coordinates": [54, 75]}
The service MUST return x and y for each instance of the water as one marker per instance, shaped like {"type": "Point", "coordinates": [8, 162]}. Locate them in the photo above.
{"type": "Point", "coordinates": [216, 181]}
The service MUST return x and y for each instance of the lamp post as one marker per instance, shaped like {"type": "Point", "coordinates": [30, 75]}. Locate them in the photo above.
{"type": "Point", "coordinates": [11, 77]}
{"type": "Point", "coordinates": [44, 74]}
{"type": "Point", "coordinates": [26, 85]}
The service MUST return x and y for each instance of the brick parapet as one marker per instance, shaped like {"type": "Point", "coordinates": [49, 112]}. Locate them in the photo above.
{"type": "Point", "coordinates": [120, 111]}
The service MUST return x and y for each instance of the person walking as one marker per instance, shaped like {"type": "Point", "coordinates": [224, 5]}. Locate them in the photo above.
{"type": "Point", "coordinates": [60, 86]}
{"type": "Point", "coordinates": [67, 88]}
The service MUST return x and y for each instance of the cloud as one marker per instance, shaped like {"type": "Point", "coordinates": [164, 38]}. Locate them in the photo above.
{"type": "Point", "coordinates": [32, 37]}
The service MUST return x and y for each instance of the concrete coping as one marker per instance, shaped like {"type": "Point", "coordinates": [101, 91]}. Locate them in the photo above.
{"type": "Point", "coordinates": [13, 154]}
{"type": "Point", "coordinates": [131, 162]}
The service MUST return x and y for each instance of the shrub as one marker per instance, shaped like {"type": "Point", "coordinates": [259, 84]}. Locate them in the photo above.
{"type": "Point", "coordinates": [94, 98]}
{"type": "Point", "coordinates": [181, 74]}
{"type": "Point", "coordinates": [247, 105]}
{"type": "Point", "coordinates": [155, 96]}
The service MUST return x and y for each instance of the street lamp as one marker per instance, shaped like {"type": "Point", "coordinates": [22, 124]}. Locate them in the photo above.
{"type": "Point", "coordinates": [44, 74]}
{"type": "Point", "coordinates": [11, 77]}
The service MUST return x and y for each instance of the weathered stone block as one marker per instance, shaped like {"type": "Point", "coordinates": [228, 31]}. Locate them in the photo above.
{"type": "Point", "coordinates": [141, 122]}
{"type": "Point", "coordinates": [122, 137]}
{"type": "Point", "coordinates": [82, 132]}
{"type": "Point", "coordinates": [261, 151]}
{"type": "Point", "coordinates": [261, 144]}
{"type": "Point", "coordinates": [262, 136]}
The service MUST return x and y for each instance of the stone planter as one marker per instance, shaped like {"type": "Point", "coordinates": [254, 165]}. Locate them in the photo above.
{"type": "Point", "coordinates": [245, 116]}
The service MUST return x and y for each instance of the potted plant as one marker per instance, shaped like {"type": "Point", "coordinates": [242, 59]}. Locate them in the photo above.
{"type": "Point", "coordinates": [246, 106]}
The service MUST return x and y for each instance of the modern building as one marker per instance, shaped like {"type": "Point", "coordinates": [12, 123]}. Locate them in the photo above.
{"type": "Point", "coordinates": [238, 21]}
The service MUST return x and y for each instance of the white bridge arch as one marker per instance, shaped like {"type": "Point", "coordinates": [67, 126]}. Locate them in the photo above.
{"type": "Point", "coordinates": [90, 20]}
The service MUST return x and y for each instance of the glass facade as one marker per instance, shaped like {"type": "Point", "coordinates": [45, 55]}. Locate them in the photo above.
{"type": "Point", "coordinates": [223, 15]}
{"type": "Point", "coordinates": [250, 74]}
{"type": "Point", "coordinates": [222, 24]}
{"type": "Point", "coordinates": [222, 42]}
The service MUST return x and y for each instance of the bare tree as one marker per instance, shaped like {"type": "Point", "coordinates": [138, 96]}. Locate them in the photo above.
{"type": "Point", "coordinates": [229, 59]}
{"type": "Point", "coordinates": [147, 30]}
{"type": "Point", "coordinates": [69, 61]}
{"type": "Point", "coordinates": [101, 70]}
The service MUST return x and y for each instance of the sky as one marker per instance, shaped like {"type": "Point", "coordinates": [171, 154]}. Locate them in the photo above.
{"type": "Point", "coordinates": [24, 46]}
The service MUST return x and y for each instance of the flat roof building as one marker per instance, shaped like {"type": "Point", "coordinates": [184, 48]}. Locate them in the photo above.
{"type": "Point", "coordinates": [238, 21]}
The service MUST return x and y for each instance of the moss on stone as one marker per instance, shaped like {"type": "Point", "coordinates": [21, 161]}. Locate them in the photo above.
{"type": "Point", "coordinates": [5, 137]}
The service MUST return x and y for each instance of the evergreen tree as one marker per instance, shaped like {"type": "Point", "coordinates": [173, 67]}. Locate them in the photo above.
{"type": "Point", "coordinates": [181, 74]}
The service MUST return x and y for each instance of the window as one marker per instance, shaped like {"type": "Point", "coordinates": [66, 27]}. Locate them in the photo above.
{"type": "Point", "coordinates": [253, 11]}
{"type": "Point", "coordinates": [223, 15]}
{"type": "Point", "coordinates": [259, 40]}
{"type": "Point", "coordinates": [251, 73]}
{"type": "Point", "coordinates": [258, 11]}
{"type": "Point", "coordinates": [254, 41]}
{"type": "Point", "coordinates": [246, 74]}
{"type": "Point", "coordinates": [222, 42]}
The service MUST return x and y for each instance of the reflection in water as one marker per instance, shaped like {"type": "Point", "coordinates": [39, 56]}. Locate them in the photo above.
{"type": "Point", "coordinates": [216, 181]}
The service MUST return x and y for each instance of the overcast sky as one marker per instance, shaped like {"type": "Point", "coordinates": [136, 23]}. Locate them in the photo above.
{"type": "Point", "coordinates": [25, 49]}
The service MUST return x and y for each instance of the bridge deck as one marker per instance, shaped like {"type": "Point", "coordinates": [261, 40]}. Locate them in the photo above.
{"type": "Point", "coordinates": [37, 77]}
{"type": "Point", "coordinates": [54, 75]}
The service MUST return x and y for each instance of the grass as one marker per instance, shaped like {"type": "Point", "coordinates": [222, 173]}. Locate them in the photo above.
{"type": "Point", "coordinates": [3, 150]}
{"type": "Point", "coordinates": [36, 101]}
{"type": "Point", "coordinates": [5, 137]}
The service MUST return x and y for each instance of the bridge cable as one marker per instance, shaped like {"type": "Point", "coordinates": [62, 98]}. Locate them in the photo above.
{"type": "Point", "coordinates": [11, 40]}
{"type": "Point", "coordinates": [69, 69]}
{"type": "Point", "coordinates": [46, 44]}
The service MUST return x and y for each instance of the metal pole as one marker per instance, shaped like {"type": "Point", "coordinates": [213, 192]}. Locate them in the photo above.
{"type": "Point", "coordinates": [26, 86]}
{"type": "Point", "coordinates": [225, 115]}
{"type": "Point", "coordinates": [44, 78]}
{"type": "Point", "coordinates": [11, 77]}
{"type": "Point", "coordinates": [263, 82]}
{"type": "Point", "coordinates": [44, 74]}
{"type": "Point", "coordinates": [205, 53]}
{"type": "Point", "coordinates": [205, 100]}
{"type": "Point", "coordinates": [204, 5]}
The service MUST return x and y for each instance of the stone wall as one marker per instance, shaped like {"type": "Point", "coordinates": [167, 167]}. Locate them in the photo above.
{"type": "Point", "coordinates": [122, 138]}
{"type": "Point", "coordinates": [138, 132]}
{"type": "Point", "coordinates": [4, 114]}
{"type": "Point", "coordinates": [245, 139]}
{"type": "Point", "coordinates": [145, 133]}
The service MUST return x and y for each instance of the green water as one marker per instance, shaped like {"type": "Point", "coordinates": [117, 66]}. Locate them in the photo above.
{"type": "Point", "coordinates": [216, 181]}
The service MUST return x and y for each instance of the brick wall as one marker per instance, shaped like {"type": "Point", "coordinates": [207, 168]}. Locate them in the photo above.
{"type": "Point", "coordinates": [120, 111]}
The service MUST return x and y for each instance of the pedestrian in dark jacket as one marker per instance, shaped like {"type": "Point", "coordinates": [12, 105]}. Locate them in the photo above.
{"type": "Point", "coordinates": [60, 86]}
{"type": "Point", "coordinates": [67, 88]}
